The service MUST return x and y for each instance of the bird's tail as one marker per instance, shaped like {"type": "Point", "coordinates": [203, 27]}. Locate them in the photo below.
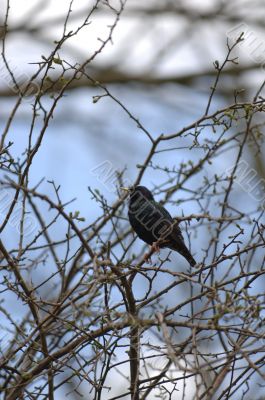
{"type": "Point", "coordinates": [183, 250]}
{"type": "Point", "coordinates": [190, 259]}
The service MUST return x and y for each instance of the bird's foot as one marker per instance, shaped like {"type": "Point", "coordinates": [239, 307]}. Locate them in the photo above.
{"type": "Point", "coordinates": [155, 247]}
{"type": "Point", "coordinates": [147, 258]}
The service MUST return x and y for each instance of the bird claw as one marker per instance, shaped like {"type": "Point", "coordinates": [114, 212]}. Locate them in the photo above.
{"type": "Point", "coordinates": [155, 247]}
{"type": "Point", "coordinates": [147, 258]}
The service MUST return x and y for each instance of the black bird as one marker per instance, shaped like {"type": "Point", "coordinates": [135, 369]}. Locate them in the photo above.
{"type": "Point", "coordinates": [153, 224]}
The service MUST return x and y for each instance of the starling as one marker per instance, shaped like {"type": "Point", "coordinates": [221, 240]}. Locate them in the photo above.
{"type": "Point", "coordinates": [153, 224]}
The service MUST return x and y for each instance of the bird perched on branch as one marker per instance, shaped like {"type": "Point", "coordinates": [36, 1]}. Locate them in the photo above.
{"type": "Point", "coordinates": [153, 224]}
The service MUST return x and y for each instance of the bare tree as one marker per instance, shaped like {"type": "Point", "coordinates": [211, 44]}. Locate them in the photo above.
{"type": "Point", "coordinates": [97, 320]}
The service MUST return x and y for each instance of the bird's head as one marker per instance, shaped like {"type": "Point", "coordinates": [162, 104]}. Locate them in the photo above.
{"type": "Point", "coordinates": [139, 191]}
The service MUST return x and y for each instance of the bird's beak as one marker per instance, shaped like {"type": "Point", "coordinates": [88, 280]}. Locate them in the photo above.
{"type": "Point", "coordinates": [125, 189]}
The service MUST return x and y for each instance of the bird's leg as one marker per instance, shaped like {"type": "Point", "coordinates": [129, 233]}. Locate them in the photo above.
{"type": "Point", "coordinates": [147, 258]}
{"type": "Point", "coordinates": [155, 247]}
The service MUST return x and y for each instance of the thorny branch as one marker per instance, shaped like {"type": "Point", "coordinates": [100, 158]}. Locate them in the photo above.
{"type": "Point", "coordinates": [93, 309]}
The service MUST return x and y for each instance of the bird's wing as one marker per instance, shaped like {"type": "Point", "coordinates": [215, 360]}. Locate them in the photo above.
{"type": "Point", "coordinates": [175, 239]}
{"type": "Point", "coordinates": [166, 215]}
{"type": "Point", "coordinates": [176, 231]}
{"type": "Point", "coordinates": [163, 211]}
